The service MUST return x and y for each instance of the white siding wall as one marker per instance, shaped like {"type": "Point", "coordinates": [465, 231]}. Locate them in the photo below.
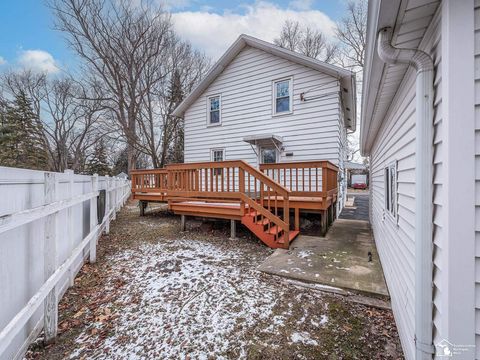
{"type": "Point", "coordinates": [395, 237]}
{"type": "Point", "coordinates": [342, 191]}
{"type": "Point", "coordinates": [311, 132]}
{"type": "Point", "coordinates": [477, 178]}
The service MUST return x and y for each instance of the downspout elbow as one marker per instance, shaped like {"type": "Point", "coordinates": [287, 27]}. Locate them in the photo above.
{"type": "Point", "coordinates": [419, 59]}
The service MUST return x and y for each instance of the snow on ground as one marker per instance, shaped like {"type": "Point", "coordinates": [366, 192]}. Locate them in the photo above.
{"type": "Point", "coordinates": [190, 299]}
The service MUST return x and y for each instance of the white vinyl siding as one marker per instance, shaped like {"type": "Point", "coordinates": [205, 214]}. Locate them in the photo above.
{"type": "Point", "coordinates": [395, 239]}
{"type": "Point", "coordinates": [311, 132]}
{"type": "Point", "coordinates": [477, 177]}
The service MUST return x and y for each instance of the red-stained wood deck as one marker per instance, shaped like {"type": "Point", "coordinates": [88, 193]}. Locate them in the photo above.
{"type": "Point", "coordinates": [261, 199]}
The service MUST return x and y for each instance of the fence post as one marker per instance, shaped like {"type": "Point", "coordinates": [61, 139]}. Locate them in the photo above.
{"type": "Point", "coordinates": [107, 204]}
{"type": "Point", "coordinates": [114, 198]}
{"type": "Point", "coordinates": [119, 194]}
{"type": "Point", "coordinates": [93, 220]}
{"type": "Point", "coordinates": [50, 319]}
{"type": "Point", "coordinates": [71, 240]}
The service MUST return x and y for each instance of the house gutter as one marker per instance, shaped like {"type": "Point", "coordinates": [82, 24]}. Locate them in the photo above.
{"type": "Point", "coordinates": [423, 64]}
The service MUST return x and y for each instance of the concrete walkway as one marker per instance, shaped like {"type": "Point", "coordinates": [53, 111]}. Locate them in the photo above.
{"type": "Point", "coordinates": [340, 259]}
{"type": "Point", "coordinates": [360, 208]}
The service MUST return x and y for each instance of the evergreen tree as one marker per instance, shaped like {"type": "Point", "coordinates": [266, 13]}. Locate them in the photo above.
{"type": "Point", "coordinates": [22, 142]}
{"type": "Point", "coordinates": [98, 164]}
{"type": "Point", "coordinates": [174, 135]}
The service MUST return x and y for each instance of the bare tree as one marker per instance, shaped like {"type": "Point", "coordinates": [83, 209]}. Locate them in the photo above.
{"type": "Point", "coordinates": [71, 128]}
{"type": "Point", "coordinates": [158, 127]}
{"type": "Point", "coordinates": [351, 32]}
{"type": "Point", "coordinates": [118, 41]}
{"type": "Point", "coordinates": [308, 41]}
{"type": "Point", "coordinates": [64, 114]}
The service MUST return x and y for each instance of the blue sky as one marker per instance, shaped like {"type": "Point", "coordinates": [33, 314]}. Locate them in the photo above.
{"type": "Point", "coordinates": [28, 38]}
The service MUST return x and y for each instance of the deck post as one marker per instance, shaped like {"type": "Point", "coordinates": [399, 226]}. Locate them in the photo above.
{"type": "Point", "coordinates": [233, 230]}
{"type": "Point", "coordinates": [143, 205]}
{"type": "Point", "coordinates": [50, 304]}
{"type": "Point", "coordinates": [183, 223]}
{"type": "Point", "coordinates": [297, 219]}
{"type": "Point", "coordinates": [330, 215]}
{"type": "Point", "coordinates": [323, 223]}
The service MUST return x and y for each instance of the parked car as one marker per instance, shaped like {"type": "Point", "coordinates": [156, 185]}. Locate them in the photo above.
{"type": "Point", "coordinates": [359, 181]}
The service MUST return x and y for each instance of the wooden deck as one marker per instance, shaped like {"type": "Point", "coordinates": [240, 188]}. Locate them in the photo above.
{"type": "Point", "coordinates": [261, 199]}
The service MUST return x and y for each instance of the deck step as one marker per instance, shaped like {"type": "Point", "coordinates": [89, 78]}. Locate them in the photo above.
{"type": "Point", "coordinates": [275, 230]}
{"type": "Point", "coordinates": [265, 221]}
{"type": "Point", "coordinates": [291, 235]}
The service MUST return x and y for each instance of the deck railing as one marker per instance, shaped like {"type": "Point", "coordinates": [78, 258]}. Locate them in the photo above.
{"type": "Point", "coordinates": [149, 181]}
{"type": "Point", "coordinates": [306, 178]}
{"type": "Point", "coordinates": [267, 191]}
{"type": "Point", "coordinates": [230, 181]}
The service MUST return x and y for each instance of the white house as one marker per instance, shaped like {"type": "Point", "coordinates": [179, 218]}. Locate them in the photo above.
{"type": "Point", "coordinates": [421, 128]}
{"type": "Point", "coordinates": [262, 103]}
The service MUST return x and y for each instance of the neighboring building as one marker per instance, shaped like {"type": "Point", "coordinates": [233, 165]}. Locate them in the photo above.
{"type": "Point", "coordinates": [262, 104]}
{"type": "Point", "coordinates": [352, 168]}
{"type": "Point", "coordinates": [421, 128]}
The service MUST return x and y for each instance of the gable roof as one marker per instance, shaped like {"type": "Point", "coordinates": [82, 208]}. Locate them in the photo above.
{"type": "Point", "coordinates": [346, 77]}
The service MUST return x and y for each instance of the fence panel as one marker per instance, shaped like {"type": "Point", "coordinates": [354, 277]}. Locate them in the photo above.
{"type": "Point", "coordinates": [48, 229]}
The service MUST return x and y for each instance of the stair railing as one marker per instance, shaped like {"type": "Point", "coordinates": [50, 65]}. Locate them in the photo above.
{"type": "Point", "coordinates": [268, 198]}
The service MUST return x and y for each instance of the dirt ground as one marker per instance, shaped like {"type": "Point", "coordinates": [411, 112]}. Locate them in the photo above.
{"type": "Point", "coordinates": [158, 293]}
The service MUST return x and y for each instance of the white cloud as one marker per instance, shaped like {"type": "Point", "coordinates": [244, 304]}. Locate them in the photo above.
{"type": "Point", "coordinates": [213, 32]}
{"type": "Point", "coordinates": [301, 4]}
{"type": "Point", "coordinates": [38, 60]}
{"type": "Point", "coordinates": [2, 60]}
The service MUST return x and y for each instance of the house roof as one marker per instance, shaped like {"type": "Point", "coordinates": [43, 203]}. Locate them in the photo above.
{"type": "Point", "coordinates": [410, 21]}
{"type": "Point", "coordinates": [346, 77]}
{"type": "Point", "coordinates": [355, 166]}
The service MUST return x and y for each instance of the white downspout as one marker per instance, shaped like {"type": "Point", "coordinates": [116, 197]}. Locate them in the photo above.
{"type": "Point", "coordinates": [423, 63]}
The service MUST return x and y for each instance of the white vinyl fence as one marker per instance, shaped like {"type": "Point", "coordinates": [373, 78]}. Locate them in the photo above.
{"type": "Point", "coordinates": [48, 228]}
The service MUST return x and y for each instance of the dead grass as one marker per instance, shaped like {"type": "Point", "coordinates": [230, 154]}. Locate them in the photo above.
{"type": "Point", "coordinates": [148, 271]}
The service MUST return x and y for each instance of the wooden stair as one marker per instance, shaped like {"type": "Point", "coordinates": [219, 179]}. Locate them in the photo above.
{"type": "Point", "coordinates": [271, 234]}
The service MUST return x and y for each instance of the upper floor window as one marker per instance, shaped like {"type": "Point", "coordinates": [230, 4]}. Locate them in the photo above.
{"type": "Point", "coordinates": [214, 105]}
{"type": "Point", "coordinates": [282, 96]}
{"type": "Point", "coordinates": [391, 189]}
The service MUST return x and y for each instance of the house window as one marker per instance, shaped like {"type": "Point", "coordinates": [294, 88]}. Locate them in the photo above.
{"type": "Point", "coordinates": [214, 105]}
{"type": "Point", "coordinates": [282, 90]}
{"type": "Point", "coordinates": [268, 155]}
{"type": "Point", "coordinates": [218, 155]}
{"type": "Point", "coordinates": [391, 189]}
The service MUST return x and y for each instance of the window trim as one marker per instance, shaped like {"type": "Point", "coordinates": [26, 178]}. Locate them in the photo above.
{"type": "Point", "coordinates": [212, 150]}
{"type": "Point", "coordinates": [274, 96]}
{"type": "Point", "coordinates": [217, 172]}
{"type": "Point", "coordinates": [391, 208]}
{"type": "Point", "coordinates": [219, 110]}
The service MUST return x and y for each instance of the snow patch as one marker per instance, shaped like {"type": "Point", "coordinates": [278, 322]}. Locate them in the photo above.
{"type": "Point", "coordinates": [304, 338]}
